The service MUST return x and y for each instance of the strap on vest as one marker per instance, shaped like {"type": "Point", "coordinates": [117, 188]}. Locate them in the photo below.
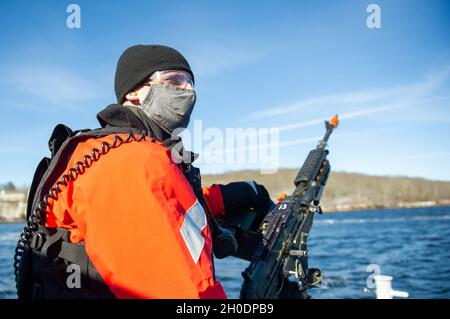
{"type": "Point", "coordinates": [53, 254]}
{"type": "Point", "coordinates": [42, 167]}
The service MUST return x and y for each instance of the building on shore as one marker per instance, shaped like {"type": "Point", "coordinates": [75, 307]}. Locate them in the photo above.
{"type": "Point", "coordinates": [13, 205]}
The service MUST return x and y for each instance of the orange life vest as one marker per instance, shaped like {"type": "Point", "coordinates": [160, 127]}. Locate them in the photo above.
{"type": "Point", "coordinates": [144, 229]}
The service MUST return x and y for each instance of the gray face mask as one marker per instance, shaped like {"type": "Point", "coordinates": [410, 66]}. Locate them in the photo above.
{"type": "Point", "coordinates": [169, 106]}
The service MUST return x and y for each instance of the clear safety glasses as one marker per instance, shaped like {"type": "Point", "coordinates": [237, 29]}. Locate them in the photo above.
{"type": "Point", "coordinates": [181, 79]}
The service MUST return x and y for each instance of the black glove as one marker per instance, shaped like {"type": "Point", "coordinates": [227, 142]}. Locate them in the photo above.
{"type": "Point", "coordinates": [239, 199]}
{"type": "Point", "coordinates": [239, 196]}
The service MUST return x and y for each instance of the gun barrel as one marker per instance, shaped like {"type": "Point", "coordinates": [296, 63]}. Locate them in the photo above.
{"type": "Point", "coordinates": [327, 135]}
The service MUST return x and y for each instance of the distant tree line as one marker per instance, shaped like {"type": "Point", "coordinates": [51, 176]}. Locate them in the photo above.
{"type": "Point", "coordinates": [9, 186]}
{"type": "Point", "coordinates": [349, 189]}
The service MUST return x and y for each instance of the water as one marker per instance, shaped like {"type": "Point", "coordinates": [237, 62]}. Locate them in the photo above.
{"type": "Point", "coordinates": [412, 245]}
{"type": "Point", "coordinates": [9, 234]}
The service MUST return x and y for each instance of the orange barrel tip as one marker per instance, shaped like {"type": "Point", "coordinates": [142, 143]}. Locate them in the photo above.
{"type": "Point", "coordinates": [281, 197]}
{"type": "Point", "coordinates": [334, 120]}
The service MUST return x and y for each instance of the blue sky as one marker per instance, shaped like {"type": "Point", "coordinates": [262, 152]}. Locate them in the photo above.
{"type": "Point", "coordinates": [286, 64]}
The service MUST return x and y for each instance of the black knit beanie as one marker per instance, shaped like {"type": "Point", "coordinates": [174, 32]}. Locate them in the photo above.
{"type": "Point", "coordinates": [140, 61]}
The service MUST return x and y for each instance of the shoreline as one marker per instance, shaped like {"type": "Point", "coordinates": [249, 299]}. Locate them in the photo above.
{"type": "Point", "coordinates": [12, 221]}
{"type": "Point", "coordinates": [356, 207]}
{"type": "Point", "coordinates": [351, 210]}
{"type": "Point", "coordinates": [370, 208]}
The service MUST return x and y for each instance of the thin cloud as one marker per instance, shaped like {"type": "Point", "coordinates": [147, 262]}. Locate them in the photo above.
{"type": "Point", "coordinates": [317, 138]}
{"type": "Point", "coordinates": [211, 60]}
{"type": "Point", "coordinates": [423, 156]}
{"type": "Point", "coordinates": [22, 144]}
{"type": "Point", "coordinates": [52, 84]}
{"type": "Point", "coordinates": [350, 115]}
{"type": "Point", "coordinates": [300, 141]}
{"type": "Point", "coordinates": [365, 112]}
{"type": "Point", "coordinates": [259, 146]}
{"type": "Point", "coordinates": [432, 82]}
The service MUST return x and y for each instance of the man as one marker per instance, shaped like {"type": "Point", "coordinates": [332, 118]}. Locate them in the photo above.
{"type": "Point", "coordinates": [135, 205]}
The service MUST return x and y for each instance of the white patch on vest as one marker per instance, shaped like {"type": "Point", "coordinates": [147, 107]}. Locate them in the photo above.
{"type": "Point", "coordinates": [252, 184]}
{"type": "Point", "coordinates": [191, 230]}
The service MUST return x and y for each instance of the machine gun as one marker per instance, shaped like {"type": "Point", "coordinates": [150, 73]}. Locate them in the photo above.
{"type": "Point", "coordinates": [277, 248]}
